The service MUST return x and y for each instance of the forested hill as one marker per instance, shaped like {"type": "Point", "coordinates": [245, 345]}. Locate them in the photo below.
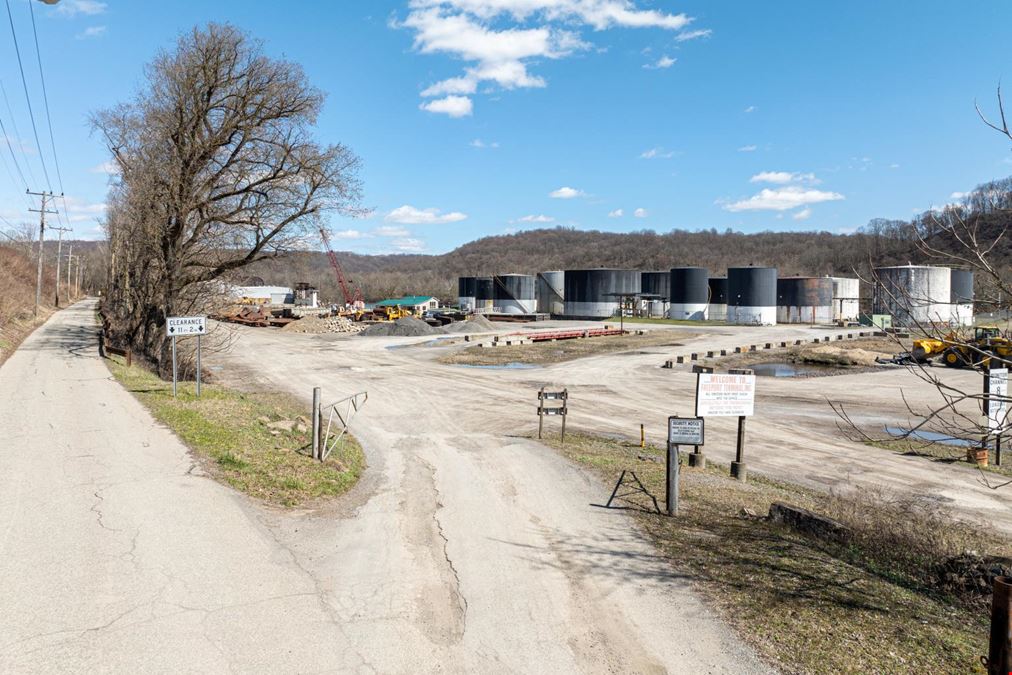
{"type": "Point", "coordinates": [987, 210]}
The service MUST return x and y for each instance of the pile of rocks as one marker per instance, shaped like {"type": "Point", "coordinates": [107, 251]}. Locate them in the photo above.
{"type": "Point", "coordinates": [973, 573]}
{"type": "Point", "coordinates": [317, 325]}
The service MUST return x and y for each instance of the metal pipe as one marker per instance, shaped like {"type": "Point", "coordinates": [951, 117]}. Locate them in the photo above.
{"type": "Point", "coordinates": [999, 656]}
{"type": "Point", "coordinates": [316, 422]}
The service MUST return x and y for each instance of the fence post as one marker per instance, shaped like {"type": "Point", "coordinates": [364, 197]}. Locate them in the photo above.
{"type": "Point", "coordinates": [316, 423]}
{"type": "Point", "coordinates": [999, 657]}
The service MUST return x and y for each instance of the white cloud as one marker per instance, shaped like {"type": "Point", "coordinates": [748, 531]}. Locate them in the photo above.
{"type": "Point", "coordinates": [91, 32]}
{"type": "Point", "coordinates": [803, 214]}
{"type": "Point", "coordinates": [661, 63]}
{"type": "Point", "coordinates": [959, 195]}
{"type": "Point", "coordinates": [747, 148]}
{"type": "Point", "coordinates": [454, 106]}
{"type": "Point", "coordinates": [481, 145]}
{"type": "Point", "coordinates": [784, 177]}
{"type": "Point", "coordinates": [693, 35]}
{"type": "Point", "coordinates": [782, 199]}
{"type": "Point", "coordinates": [111, 168]}
{"type": "Point", "coordinates": [641, 213]}
{"type": "Point", "coordinates": [391, 231]}
{"type": "Point", "coordinates": [408, 245]}
{"type": "Point", "coordinates": [349, 234]}
{"type": "Point", "coordinates": [617, 213]}
{"type": "Point", "coordinates": [76, 7]}
{"type": "Point", "coordinates": [79, 211]}
{"type": "Point", "coordinates": [497, 38]}
{"type": "Point", "coordinates": [541, 218]}
{"type": "Point", "coordinates": [657, 153]}
{"type": "Point", "coordinates": [751, 109]}
{"type": "Point", "coordinates": [566, 193]}
{"type": "Point", "coordinates": [409, 215]}
{"type": "Point", "coordinates": [894, 166]}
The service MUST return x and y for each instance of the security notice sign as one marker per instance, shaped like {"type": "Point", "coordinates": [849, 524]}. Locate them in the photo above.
{"type": "Point", "coordinates": [685, 430]}
{"type": "Point", "coordinates": [997, 403]}
{"type": "Point", "coordinates": [720, 395]}
{"type": "Point", "coordinates": [185, 325]}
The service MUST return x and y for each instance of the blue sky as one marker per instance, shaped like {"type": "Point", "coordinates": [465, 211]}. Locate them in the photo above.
{"type": "Point", "coordinates": [478, 117]}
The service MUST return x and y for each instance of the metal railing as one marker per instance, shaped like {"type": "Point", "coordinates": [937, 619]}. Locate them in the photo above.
{"type": "Point", "coordinates": [326, 435]}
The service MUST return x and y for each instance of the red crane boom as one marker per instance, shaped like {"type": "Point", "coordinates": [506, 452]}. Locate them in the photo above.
{"type": "Point", "coordinates": [355, 298]}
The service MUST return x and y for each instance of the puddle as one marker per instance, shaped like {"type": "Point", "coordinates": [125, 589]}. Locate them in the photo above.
{"type": "Point", "coordinates": [515, 365]}
{"type": "Point", "coordinates": [929, 436]}
{"type": "Point", "coordinates": [789, 370]}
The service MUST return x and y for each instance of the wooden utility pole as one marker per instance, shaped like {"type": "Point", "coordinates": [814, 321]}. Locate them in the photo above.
{"type": "Point", "coordinates": [45, 196]}
{"type": "Point", "coordinates": [59, 255]}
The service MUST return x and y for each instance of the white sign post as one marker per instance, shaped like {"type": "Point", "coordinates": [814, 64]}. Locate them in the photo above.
{"type": "Point", "coordinates": [176, 326]}
{"type": "Point", "coordinates": [728, 395]}
{"type": "Point", "coordinates": [997, 406]}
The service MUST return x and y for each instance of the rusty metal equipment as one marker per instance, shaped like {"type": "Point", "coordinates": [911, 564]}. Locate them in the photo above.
{"type": "Point", "coordinates": [999, 657]}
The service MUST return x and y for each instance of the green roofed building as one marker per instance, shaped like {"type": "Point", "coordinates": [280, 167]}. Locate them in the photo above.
{"type": "Point", "coordinates": [417, 303]}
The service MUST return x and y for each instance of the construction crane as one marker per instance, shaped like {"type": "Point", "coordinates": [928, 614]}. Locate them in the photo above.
{"type": "Point", "coordinates": [352, 299]}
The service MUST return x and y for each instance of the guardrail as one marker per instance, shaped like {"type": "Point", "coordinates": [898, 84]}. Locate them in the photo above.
{"type": "Point", "coordinates": [339, 414]}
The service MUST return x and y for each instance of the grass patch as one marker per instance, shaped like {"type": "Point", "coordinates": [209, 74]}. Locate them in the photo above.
{"type": "Point", "coordinates": [543, 353]}
{"type": "Point", "coordinates": [230, 430]}
{"type": "Point", "coordinates": [871, 604]}
{"type": "Point", "coordinates": [947, 454]}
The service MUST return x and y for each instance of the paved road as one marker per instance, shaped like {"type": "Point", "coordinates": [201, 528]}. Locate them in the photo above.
{"type": "Point", "coordinates": [473, 553]}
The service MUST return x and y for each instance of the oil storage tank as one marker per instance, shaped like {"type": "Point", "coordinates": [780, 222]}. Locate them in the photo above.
{"type": "Point", "coordinates": [467, 288]}
{"type": "Point", "coordinates": [514, 294]}
{"type": "Point", "coordinates": [483, 296]}
{"type": "Point", "coordinates": [655, 284]}
{"type": "Point", "coordinates": [752, 296]}
{"type": "Point", "coordinates": [846, 299]}
{"type": "Point", "coordinates": [805, 300]}
{"type": "Point", "coordinates": [690, 293]}
{"type": "Point", "coordinates": [914, 294]}
{"type": "Point", "coordinates": [961, 295]}
{"type": "Point", "coordinates": [593, 294]}
{"type": "Point", "coordinates": [717, 309]}
{"type": "Point", "coordinates": [551, 292]}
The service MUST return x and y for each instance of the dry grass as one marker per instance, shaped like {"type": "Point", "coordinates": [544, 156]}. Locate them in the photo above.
{"type": "Point", "coordinates": [870, 605]}
{"type": "Point", "coordinates": [542, 353]}
{"type": "Point", "coordinates": [17, 299]}
{"type": "Point", "coordinates": [946, 454]}
{"type": "Point", "coordinates": [226, 429]}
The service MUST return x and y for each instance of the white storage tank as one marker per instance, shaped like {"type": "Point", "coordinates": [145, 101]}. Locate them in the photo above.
{"type": "Point", "coordinates": [551, 293]}
{"type": "Point", "coordinates": [846, 299]}
{"type": "Point", "coordinates": [914, 294]}
{"type": "Point", "coordinates": [690, 293]}
{"type": "Point", "coordinates": [961, 294]}
{"type": "Point", "coordinates": [752, 296]}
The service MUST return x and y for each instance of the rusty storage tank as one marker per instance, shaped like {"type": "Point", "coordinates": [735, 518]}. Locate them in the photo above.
{"type": "Point", "coordinates": [658, 284]}
{"type": "Point", "coordinates": [752, 296]}
{"type": "Point", "coordinates": [846, 299]}
{"type": "Point", "coordinates": [690, 293]}
{"type": "Point", "coordinates": [914, 294]}
{"type": "Point", "coordinates": [551, 293]}
{"type": "Point", "coordinates": [717, 308]}
{"type": "Point", "coordinates": [961, 295]}
{"type": "Point", "coordinates": [805, 300]}
{"type": "Point", "coordinates": [593, 293]}
{"type": "Point", "coordinates": [514, 294]}
{"type": "Point", "coordinates": [467, 288]}
{"type": "Point", "coordinates": [483, 296]}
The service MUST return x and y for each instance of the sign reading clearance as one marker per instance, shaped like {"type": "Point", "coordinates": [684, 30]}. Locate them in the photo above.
{"type": "Point", "coordinates": [719, 395]}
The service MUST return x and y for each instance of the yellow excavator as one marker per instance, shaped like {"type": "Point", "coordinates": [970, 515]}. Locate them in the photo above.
{"type": "Point", "coordinates": [384, 313]}
{"type": "Point", "coordinates": [987, 345]}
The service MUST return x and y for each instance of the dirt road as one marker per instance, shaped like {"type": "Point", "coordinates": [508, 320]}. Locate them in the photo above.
{"type": "Point", "coordinates": [462, 552]}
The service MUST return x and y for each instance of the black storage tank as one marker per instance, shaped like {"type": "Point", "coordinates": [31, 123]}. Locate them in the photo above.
{"type": "Point", "coordinates": [752, 295]}
{"type": "Point", "coordinates": [591, 294]}
{"type": "Point", "coordinates": [690, 293]}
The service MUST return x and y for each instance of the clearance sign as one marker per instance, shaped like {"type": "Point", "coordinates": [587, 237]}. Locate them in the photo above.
{"type": "Point", "coordinates": [719, 395]}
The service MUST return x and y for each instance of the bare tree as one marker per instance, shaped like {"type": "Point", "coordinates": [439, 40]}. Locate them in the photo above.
{"type": "Point", "coordinates": [218, 170]}
{"type": "Point", "coordinates": [971, 235]}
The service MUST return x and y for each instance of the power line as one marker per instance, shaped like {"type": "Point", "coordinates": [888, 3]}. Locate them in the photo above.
{"type": "Point", "coordinates": [17, 134]}
{"type": "Point", "coordinates": [49, 119]}
{"type": "Point", "coordinates": [28, 99]}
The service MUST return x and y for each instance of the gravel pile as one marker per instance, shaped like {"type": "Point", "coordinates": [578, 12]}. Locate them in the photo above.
{"type": "Point", "coordinates": [316, 325]}
{"type": "Point", "coordinates": [409, 326]}
{"type": "Point", "coordinates": [478, 324]}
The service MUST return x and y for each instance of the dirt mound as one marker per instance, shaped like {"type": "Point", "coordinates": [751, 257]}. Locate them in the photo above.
{"type": "Point", "coordinates": [478, 324]}
{"type": "Point", "coordinates": [409, 326]}
{"type": "Point", "coordinates": [316, 325]}
{"type": "Point", "coordinates": [831, 355]}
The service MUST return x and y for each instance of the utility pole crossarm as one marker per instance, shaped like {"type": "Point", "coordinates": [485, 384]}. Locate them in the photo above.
{"type": "Point", "coordinates": [44, 196]}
